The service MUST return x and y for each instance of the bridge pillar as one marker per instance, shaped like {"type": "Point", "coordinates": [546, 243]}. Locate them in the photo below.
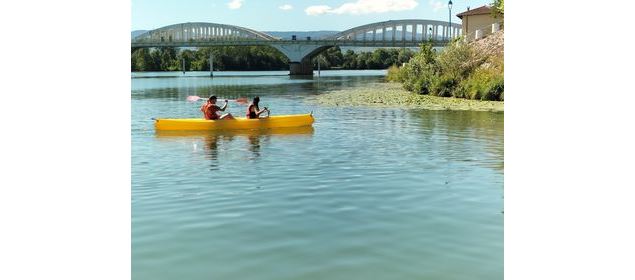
{"type": "Point", "coordinates": [300, 56]}
{"type": "Point", "coordinates": [303, 68]}
{"type": "Point", "coordinates": [403, 33]}
{"type": "Point", "coordinates": [394, 32]}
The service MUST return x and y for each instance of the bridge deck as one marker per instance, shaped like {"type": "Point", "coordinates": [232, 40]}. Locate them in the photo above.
{"type": "Point", "coordinates": [344, 43]}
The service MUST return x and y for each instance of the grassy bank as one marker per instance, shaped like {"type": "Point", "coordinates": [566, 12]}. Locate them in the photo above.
{"type": "Point", "coordinates": [393, 95]}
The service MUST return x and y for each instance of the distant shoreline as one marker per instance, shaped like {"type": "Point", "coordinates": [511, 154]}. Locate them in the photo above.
{"type": "Point", "coordinates": [392, 95]}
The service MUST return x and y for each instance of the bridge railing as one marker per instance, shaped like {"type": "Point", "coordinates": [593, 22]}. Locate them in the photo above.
{"type": "Point", "coordinates": [193, 40]}
{"type": "Point", "coordinates": [341, 43]}
{"type": "Point", "coordinates": [244, 40]}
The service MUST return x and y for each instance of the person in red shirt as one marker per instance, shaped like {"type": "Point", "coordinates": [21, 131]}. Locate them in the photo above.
{"type": "Point", "coordinates": [253, 111]}
{"type": "Point", "coordinates": [210, 110]}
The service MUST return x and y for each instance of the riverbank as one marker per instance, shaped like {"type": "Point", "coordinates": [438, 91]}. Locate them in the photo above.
{"type": "Point", "coordinates": [392, 95]}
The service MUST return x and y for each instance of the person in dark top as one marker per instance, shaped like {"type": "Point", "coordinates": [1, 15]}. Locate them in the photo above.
{"type": "Point", "coordinates": [253, 111]}
{"type": "Point", "coordinates": [210, 110]}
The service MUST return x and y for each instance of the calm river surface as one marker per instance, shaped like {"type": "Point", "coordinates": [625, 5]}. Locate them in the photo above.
{"type": "Point", "coordinates": [365, 194]}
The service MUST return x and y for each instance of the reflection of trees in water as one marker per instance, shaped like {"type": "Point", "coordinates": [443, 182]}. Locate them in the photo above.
{"type": "Point", "coordinates": [297, 85]}
{"type": "Point", "coordinates": [178, 88]}
{"type": "Point", "coordinates": [164, 93]}
{"type": "Point", "coordinates": [459, 135]}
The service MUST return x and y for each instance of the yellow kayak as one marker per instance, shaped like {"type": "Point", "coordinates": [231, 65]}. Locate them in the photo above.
{"type": "Point", "coordinates": [277, 131]}
{"type": "Point", "coordinates": [238, 123]}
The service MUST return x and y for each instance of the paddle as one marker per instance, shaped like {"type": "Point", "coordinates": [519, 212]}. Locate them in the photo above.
{"type": "Point", "coordinates": [240, 100]}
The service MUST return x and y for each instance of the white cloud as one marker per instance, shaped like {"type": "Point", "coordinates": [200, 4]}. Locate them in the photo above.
{"type": "Point", "coordinates": [437, 5]}
{"type": "Point", "coordinates": [364, 7]}
{"type": "Point", "coordinates": [235, 4]}
{"type": "Point", "coordinates": [285, 7]}
{"type": "Point", "coordinates": [317, 10]}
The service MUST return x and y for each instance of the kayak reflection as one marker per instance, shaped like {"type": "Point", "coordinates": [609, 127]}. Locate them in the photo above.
{"type": "Point", "coordinates": [254, 144]}
{"type": "Point", "coordinates": [215, 143]}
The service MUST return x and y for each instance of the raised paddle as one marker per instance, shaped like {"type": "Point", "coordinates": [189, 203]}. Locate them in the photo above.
{"type": "Point", "coordinates": [240, 100]}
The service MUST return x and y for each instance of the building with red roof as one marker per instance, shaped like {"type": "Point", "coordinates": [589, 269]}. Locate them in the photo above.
{"type": "Point", "coordinates": [480, 18]}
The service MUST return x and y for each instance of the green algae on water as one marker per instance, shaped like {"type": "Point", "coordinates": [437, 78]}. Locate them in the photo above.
{"type": "Point", "coordinates": [393, 95]}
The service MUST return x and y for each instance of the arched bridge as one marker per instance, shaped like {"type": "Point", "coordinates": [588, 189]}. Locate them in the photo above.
{"type": "Point", "coordinates": [392, 33]}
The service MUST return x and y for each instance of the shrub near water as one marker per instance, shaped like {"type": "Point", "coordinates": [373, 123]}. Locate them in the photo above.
{"type": "Point", "coordinates": [458, 60]}
{"type": "Point", "coordinates": [484, 84]}
{"type": "Point", "coordinates": [392, 75]}
{"type": "Point", "coordinates": [444, 85]}
{"type": "Point", "coordinates": [457, 71]}
{"type": "Point", "coordinates": [419, 73]}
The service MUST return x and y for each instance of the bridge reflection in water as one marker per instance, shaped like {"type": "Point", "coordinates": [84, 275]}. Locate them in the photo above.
{"type": "Point", "coordinates": [387, 34]}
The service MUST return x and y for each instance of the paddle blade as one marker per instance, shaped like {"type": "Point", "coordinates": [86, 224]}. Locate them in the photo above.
{"type": "Point", "coordinates": [193, 98]}
{"type": "Point", "coordinates": [242, 100]}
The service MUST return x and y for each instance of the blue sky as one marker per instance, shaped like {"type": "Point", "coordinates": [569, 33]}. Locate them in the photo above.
{"type": "Point", "coordinates": [291, 15]}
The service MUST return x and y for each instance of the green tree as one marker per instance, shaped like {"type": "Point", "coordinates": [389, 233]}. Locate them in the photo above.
{"type": "Point", "coordinates": [350, 60]}
{"type": "Point", "coordinates": [142, 60]}
{"type": "Point", "coordinates": [498, 8]}
{"type": "Point", "coordinates": [330, 58]}
{"type": "Point", "coordinates": [403, 55]}
{"type": "Point", "coordinates": [362, 60]}
{"type": "Point", "coordinates": [188, 56]}
{"type": "Point", "coordinates": [334, 56]}
{"type": "Point", "coordinates": [377, 59]}
{"type": "Point", "coordinates": [167, 59]}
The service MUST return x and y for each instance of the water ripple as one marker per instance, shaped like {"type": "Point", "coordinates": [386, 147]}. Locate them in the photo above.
{"type": "Point", "coordinates": [365, 194]}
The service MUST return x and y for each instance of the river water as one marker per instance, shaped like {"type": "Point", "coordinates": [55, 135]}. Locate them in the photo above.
{"type": "Point", "coordinates": [366, 193]}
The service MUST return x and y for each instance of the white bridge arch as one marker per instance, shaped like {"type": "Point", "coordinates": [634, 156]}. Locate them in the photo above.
{"type": "Point", "coordinates": [392, 33]}
{"type": "Point", "coordinates": [401, 30]}
{"type": "Point", "coordinates": [200, 31]}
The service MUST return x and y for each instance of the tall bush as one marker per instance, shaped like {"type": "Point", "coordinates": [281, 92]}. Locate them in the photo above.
{"type": "Point", "coordinates": [483, 84]}
{"type": "Point", "coordinates": [393, 74]}
{"type": "Point", "coordinates": [456, 71]}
